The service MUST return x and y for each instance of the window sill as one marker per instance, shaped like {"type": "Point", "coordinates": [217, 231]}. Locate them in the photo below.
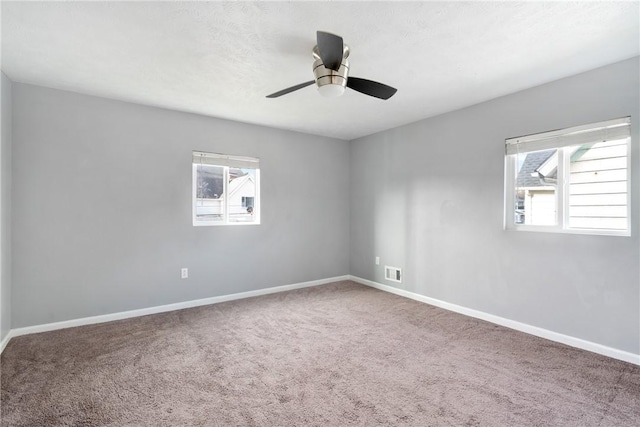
{"type": "Point", "coordinates": [218, 224]}
{"type": "Point", "coordinates": [557, 230]}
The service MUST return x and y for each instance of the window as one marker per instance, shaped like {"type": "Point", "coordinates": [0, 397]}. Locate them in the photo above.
{"type": "Point", "coordinates": [572, 180]}
{"type": "Point", "coordinates": [226, 189]}
{"type": "Point", "coordinates": [247, 202]}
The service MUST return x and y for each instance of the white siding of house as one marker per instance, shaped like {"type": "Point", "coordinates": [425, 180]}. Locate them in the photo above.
{"type": "Point", "coordinates": [598, 186]}
{"type": "Point", "coordinates": [540, 206]}
{"type": "Point", "coordinates": [246, 189]}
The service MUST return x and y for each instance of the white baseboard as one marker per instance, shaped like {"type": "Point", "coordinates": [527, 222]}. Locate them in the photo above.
{"type": "Point", "coordinates": [523, 327]}
{"type": "Point", "coordinates": [160, 309]}
{"type": "Point", "coordinates": [5, 341]}
{"type": "Point", "coordinates": [512, 324]}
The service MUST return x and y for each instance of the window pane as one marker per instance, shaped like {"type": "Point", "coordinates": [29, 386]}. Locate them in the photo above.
{"type": "Point", "coordinates": [536, 181]}
{"type": "Point", "coordinates": [598, 178]}
{"type": "Point", "coordinates": [242, 195]}
{"type": "Point", "coordinates": [209, 193]}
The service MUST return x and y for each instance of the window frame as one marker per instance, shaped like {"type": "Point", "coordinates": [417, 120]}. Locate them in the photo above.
{"type": "Point", "coordinates": [194, 191]}
{"type": "Point", "coordinates": [562, 190]}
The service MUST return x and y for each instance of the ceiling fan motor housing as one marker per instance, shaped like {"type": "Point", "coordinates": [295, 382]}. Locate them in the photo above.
{"type": "Point", "coordinates": [326, 76]}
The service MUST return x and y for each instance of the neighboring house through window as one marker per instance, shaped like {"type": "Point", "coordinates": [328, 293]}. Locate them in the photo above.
{"type": "Point", "coordinates": [572, 180]}
{"type": "Point", "coordinates": [226, 189]}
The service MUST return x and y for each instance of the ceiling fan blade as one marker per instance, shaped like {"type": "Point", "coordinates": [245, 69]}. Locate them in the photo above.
{"type": "Point", "coordinates": [291, 89]}
{"type": "Point", "coordinates": [330, 48]}
{"type": "Point", "coordinates": [371, 88]}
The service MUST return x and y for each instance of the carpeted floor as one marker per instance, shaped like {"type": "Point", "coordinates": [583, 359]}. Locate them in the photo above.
{"type": "Point", "coordinates": [334, 355]}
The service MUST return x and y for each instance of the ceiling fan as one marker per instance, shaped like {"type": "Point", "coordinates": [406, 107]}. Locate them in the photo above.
{"type": "Point", "coordinates": [331, 70]}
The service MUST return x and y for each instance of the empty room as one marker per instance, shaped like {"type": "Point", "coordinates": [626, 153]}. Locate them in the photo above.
{"type": "Point", "coordinates": [320, 213]}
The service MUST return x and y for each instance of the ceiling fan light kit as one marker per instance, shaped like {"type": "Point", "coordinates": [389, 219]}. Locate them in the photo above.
{"type": "Point", "coordinates": [331, 71]}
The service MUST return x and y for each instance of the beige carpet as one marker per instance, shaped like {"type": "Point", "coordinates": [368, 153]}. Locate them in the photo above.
{"type": "Point", "coordinates": [334, 355]}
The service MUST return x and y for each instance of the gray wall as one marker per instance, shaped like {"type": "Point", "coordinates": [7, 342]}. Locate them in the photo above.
{"type": "Point", "coordinates": [102, 208]}
{"type": "Point", "coordinates": [5, 209]}
{"type": "Point", "coordinates": [428, 197]}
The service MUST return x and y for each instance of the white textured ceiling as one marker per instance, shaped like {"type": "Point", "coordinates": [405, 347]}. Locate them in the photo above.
{"type": "Point", "coordinates": [221, 58]}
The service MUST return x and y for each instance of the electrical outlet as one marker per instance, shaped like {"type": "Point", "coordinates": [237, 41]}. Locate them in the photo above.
{"type": "Point", "coordinates": [377, 260]}
{"type": "Point", "coordinates": [184, 273]}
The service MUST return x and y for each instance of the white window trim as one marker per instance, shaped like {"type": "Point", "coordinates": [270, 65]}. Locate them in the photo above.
{"type": "Point", "coordinates": [225, 221]}
{"type": "Point", "coordinates": [562, 202]}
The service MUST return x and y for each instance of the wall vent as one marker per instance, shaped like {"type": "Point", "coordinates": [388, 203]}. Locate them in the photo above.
{"type": "Point", "coordinates": [393, 273]}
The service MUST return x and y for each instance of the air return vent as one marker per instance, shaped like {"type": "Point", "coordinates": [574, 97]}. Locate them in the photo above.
{"type": "Point", "coordinates": [393, 273]}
